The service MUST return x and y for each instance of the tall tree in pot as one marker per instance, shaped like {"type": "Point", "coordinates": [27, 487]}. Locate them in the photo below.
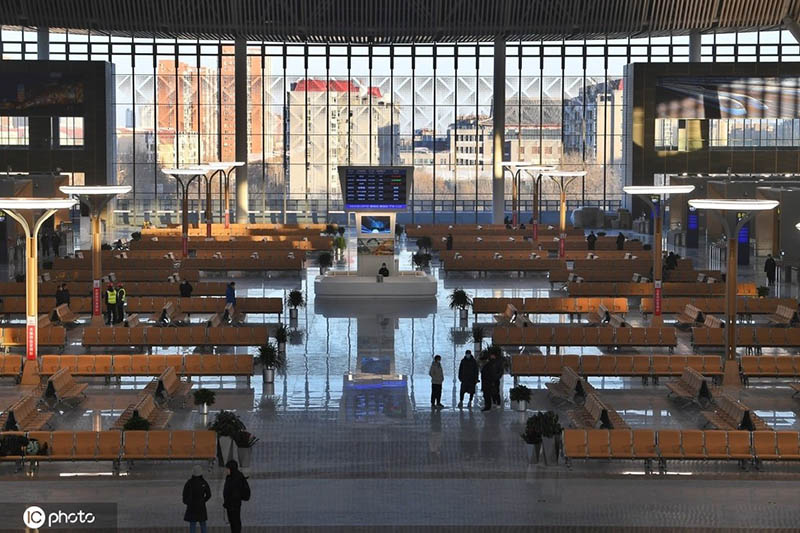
{"type": "Point", "coordinates": [205, 398]}
{"type": "Point", "coordinates": [226, 425]}
{"type": "Point", "coordinates": [281, 336]}
{"type": "Point", "coordinates": [295, 300]}
{"type": "Point", "coordinates": [271, 360]}
{"type": "Point", "coordinates": [325, 261]}
{"type": "Point", "coordinates": [460, 300]}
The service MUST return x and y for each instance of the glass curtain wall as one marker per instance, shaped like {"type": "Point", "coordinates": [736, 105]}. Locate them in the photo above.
{"type": "Point", "coordinates": [313, 107]}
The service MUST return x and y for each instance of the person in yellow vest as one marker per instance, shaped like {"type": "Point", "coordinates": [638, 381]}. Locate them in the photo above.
{"type": "Point", "coordinates": [110, 297]}
{"type": "Point", "coordinates": [122, 296]}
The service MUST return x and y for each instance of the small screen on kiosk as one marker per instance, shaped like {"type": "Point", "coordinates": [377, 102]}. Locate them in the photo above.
{"type": "Point", "coordinates": [375, 224]}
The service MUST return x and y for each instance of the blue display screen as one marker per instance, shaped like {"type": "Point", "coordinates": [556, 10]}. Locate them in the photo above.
{"type": "Point", "coordinates": [691, 220]}
{"type": "Point", "coordinates": [744, 234]}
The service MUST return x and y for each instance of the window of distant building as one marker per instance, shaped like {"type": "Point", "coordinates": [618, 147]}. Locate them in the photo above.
{"type": "Point", "coordinates": [70, 131]}
{"type": "Point", "coordinates": [14, 131]}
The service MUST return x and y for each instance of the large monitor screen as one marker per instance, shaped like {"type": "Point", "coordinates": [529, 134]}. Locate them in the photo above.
{"type": "Point", "coordinates": [375, 187]}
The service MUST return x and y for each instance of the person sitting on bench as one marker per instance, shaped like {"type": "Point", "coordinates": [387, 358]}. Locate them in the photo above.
{"type": "Point", "coordinates": [384, 271]}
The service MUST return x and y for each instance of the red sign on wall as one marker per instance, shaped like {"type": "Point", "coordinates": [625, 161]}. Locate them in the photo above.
{"type": "Point", "coordinates": [96, 297]}
{"type": "Point", "coordinates": [562, 245]}
{"type": "Point", "coordinates": [30, 338]}
{"type": "Point", "coordinates": [657, 302]}
{"type": "Point", "coordinates": [535, 231]}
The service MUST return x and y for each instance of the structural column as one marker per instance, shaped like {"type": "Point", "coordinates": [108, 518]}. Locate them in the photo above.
{"type": "Point", "coordinates": [240, 62]}
{"type": "Point", "coordinates": [657, 290]}
{"type": "Point", "coordinates": [42, 43]}
{"type": "Point", "coordinates": [499, 134]}
{"type": "Point", "coordinates": [97, 268]}
{"type": "Point", "coordinates": [694, 47]}
{"type": "Point", "coordinates": [730, 298]}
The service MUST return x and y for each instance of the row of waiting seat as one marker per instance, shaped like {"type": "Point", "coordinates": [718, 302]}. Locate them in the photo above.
{"type": "Point", "coordinates": [744, 305]}
{"type": "Point", "coordinates": [253, 243]}
{"type": "Point", "coordinates": [146, 365]}
{"type": "Point", "coordinates": [752, 337]}
{"type": "Point", "coordinates": [117, 446]}
{"type": "Point", "coordinates": [150, 304]}
{"type": "Point", "coordinates": [47, 336]}
{"type": "Point", "coordinates": [585, 336]}
{"type": "Point", "coordinates": [769, 366]}
{"type": "Point", "coordinates": [175, 336]}
{"type": "Point", "coordinates": [548, 305]}
{"type": "Point", "coordinates": [678, 445]}
{"type": "Point", "coordinates": [440, 230]}
{"type": "Point", "coordinates": [158, 288]}
{"type": "Point", "coordinates": [615, 365]}
{"type": "Point", "coordinates": [646, 289]}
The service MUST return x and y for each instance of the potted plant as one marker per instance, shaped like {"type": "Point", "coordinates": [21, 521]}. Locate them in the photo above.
{"type": "Point", "coordinates": [136, 423]}
{"type": "Point", "coordinates": [281, 335]}
{"type": "Point", "coordinates": [459, 299]}
{"type": "Point", "coordinates": [520, 396]}
{"type": "Point", "coordinates": [244, 441]}
{"type": "Point", "coordinates": [294, 301]}
{"type": "Point", "coordinates": [421, 260]}
{"type": "Point", "coordinates": [226, 424]}
{"type": "Point", "coordinates": [763, 291]}
{"type": "Point", "coordinates": [550, 430]}
{"type": "Point", "coordinates": [478, 333]}
{"type": "Point", "coordinates": [533, 437]}
{"type": "Point", "coordinates": [205, 398]}
{"type": "Point", "coordinates": [325, 261]}
{"type": "Point", "coordinates": [136, 236]}
{"type": "Point", "coordinates": [271, 360]}
{"type": "Point", "coordinates": [424, 243]}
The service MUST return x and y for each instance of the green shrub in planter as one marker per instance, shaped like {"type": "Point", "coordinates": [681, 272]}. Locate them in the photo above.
{"type": "Point", "coordinates": [459, 299]}
{"type": "Point", "coordinates": [520, 393]}
{"type": "Point", "coordinates": [136, 236]}
{"type": "Point", "coordinates": [763, 291]}
{"type": "Point", "coordinates": [325, 260]}
{"type": "Point", "coordinates": [136, 423]}
{"type": "Point", "coordinates": [478, 334]}
{"type": "Point", "coordinates": [204, 397]}
{"type": "Point", "coordinates": [245, 439]}
{"type": "Point", "coordinates": [532, 433]}
{"type": "Point", "coordinates": [295, 299]}
{"type": "Point", "coordinates": [227, 424]}
{"type": "Point", "coordinates": [270, 357]}
{"type": "Point", "coordinates": [421, 260]}
{"type": "Point", "coordinates": [281, 334]}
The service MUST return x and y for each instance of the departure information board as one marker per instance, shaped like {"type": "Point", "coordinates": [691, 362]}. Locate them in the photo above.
{"type": "Point", "coordinates": [375, 187]}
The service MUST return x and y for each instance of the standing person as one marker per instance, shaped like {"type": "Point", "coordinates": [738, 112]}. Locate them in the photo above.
{"type": "Point", "coordinates": [487, 380]}
{"type": "Point", "coordinates": [186, 289]}
{"type": "Point", "coordinates": [497, 374]}
{"type": "Point", "coordinates": [437, 378]}
{"type": "Point", "coordinates": [122, 297]}
{"type": "Point", "coordinates": [620, 241]}
{"type": "Point", "coordinates": [230, 294]}
{"type": "Point", "coordinates": [468, 376]}
{"type": "Point", "coordinates": [769, 269]}
{"type": "Point", "coordinates": [449, 242]}
{"type": "Point", "coordinates": [235, 491]}
{"type": "Point", "coordinates": [110, 297]}
{"type": "Point", "coordinates": [55, 242]}
{"type": "Point", "coordinates": [196, 493]}
{"type": "Point", "coordinates": [591, 240]}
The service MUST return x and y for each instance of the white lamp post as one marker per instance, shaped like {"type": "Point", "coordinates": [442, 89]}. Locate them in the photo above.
{"type": "Point", "coordinates": [220, 167]}
{"type": "Point", "coordinates": [563, 178]}
{"type": "Point", "coordinates": [96, 198]}
{"type": "Point", "coordinates": [733, 214]}
{"type": "Point", "coordinates": [183, 189]}
{"type": "Point", "coordinates": [655, 195]}
{"type": "Point", "coordinates": [533, 169]}
{"type": "Point", "coordinates": [31, 213]}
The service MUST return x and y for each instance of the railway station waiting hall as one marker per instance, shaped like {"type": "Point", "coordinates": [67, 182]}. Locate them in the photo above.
{"type": "Point", "coordinates": [478, 265]}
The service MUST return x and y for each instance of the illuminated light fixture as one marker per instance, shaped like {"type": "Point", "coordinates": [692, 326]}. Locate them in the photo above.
{"type": "Point", "coordinates": [216, 165]}
{"type": "Point", "coordinates": [96, 189]}
{"type": "Point", "coordinates": [192, 173]}
{"type": "Point", "coordinates": [96, 197]}
{"type": "Point", "coordinates": [516, 168]}
{"type": "Point", "coordinates": [37, 203]}
{"type": "Point", "coordinates": [733, 214]}
{"type": "Point", "coordinates": [563, 179]}
{"type": "Point", "coordinates": [649, 193]}
{"type": "Point", "coordinates": [658, 189]}
{"type": "Point", "coordinates": [723, 204]}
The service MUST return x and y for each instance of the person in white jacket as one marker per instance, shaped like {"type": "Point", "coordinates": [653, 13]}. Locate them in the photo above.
{"type": "Point", "coordinates": [437, 378]}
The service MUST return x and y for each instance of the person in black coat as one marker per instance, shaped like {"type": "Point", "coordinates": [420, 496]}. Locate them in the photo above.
{"type": "Point", "coordinates": [497, 374]}
{"type": "Point", "coordinates": [769, 269]}
{"type": "Point", "coordinates": [449, 242]}
{"type": "Point", "coordinates": [235, 491]}
{"type": "Point", "coordinates": [591, 239]}
{"type": "Point", "coordinates": [196, 493]}
{"type": "Point", "coordinates": [468, 376]}
{"type": "Point", "coordinates": [186, 289]}
{"type": "Point", "coordinates": [620, 241]}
